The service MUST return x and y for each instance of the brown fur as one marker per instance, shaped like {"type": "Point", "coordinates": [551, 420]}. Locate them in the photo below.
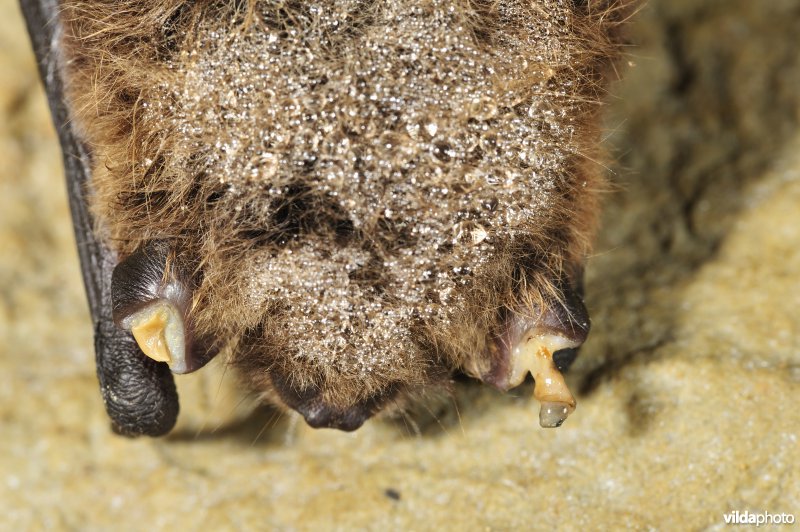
{"type": "Point", "coordinates": [183, 154]}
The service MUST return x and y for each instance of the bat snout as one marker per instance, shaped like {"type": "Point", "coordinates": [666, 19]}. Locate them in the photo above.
{"type": "Point", "coordinates": [321, 412]}
{"type": "Point", "coordinates": [322, 416]}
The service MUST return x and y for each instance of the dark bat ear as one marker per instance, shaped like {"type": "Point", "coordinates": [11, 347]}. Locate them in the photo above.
{"type": "Point", "coordinates": [139, 393]}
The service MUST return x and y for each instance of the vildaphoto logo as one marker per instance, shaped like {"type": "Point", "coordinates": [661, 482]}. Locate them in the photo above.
{"type": "Point", "coordinates": [757, 518]}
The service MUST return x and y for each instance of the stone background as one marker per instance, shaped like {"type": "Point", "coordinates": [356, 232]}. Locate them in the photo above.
{"type": "Point", "coordinates": [688, 387]}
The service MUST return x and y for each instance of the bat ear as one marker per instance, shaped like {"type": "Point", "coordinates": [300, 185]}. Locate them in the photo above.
{"type": "Point", "coordinates": [139, 393]}
{"type": "Point", "coordinates": [151, 296]}
{"type": "Point", "coordinates": [542, 342]}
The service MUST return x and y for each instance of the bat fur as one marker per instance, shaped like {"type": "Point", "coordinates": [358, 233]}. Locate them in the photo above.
{"type": "Point", "coordinates": [362, 195]}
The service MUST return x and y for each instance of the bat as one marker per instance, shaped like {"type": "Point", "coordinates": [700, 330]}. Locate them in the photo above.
{"type": "Point", "coordinates": [351, 200]}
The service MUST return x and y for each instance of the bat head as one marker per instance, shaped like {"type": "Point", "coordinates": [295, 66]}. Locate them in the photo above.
{"type": "Point", "coordinates": [353, 199]}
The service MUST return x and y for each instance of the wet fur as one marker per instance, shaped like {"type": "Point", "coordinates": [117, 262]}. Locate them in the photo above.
{"type": "Point", "coordinates": [147, 187]}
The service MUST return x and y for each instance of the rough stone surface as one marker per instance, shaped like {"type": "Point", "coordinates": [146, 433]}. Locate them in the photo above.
{"type": "Point", "coordinates": [687, 388]}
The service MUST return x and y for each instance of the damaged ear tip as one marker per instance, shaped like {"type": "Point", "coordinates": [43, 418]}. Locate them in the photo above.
{"type": "Point", "coordinates": [159, 331]}
{"type": "Point", "coordinates": [534, 354]}
{"type": "Point", "coordinates": [543, 344]}
{"type": "Point", "coordinates": [550, 389]}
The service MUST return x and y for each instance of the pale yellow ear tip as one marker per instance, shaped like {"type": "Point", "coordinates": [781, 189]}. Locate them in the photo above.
{"type": "Point", "coordinates": [149, 331]}
{"type": "Point", "coordinates": [158, 330]}
{"type": "Point", "coordinates": [550, 389]}
{"type": "Point", "coordinates": [535, 355]}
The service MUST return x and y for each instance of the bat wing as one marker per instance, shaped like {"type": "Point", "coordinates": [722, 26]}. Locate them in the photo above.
{"type": "Point", "coordinates": [139, 394]}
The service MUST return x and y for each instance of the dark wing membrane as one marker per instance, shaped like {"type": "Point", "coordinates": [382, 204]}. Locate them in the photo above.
{"type": "Point", "coordinates": [139, 393]}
